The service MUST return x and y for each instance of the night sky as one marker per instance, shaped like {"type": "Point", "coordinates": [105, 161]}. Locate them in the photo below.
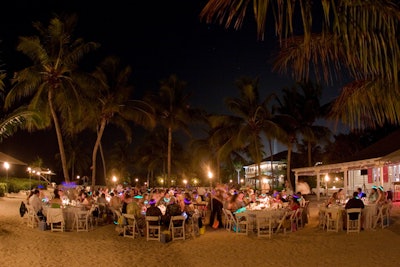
{"type": "Point", "coordinates": [156, 38]}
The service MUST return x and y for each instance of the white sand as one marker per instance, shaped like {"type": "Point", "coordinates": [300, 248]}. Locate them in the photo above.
{"type": "Point", "coordinates": [23, 246]}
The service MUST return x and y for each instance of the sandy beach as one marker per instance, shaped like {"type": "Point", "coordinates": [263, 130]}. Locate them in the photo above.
{"type": "Point", "coordinates": [23, 246]}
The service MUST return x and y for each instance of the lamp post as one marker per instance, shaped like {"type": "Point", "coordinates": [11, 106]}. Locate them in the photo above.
{"type": "Point", "coordinates": [210, 175]}
{"type": "Point", "coordinates": [6, 166]}
{"type": "Point", "coordinates": [114, 179]}
{"type": "Point", "coordinates": [326, 184]}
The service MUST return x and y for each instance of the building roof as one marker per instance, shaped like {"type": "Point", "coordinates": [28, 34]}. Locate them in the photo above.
{"type": "Point", "coordinates": [383, 147]}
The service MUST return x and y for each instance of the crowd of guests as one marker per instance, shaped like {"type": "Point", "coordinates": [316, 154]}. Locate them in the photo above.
{"type": "Point", "coordinates": [238, 200]}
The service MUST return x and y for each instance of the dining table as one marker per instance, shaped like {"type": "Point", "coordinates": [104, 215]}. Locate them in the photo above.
{"type": "Point", "coordinates": [68, 213]}
{"type": "Point", "coordinates": [272, 212]}
{"type": "Point", "coordinates": [367, 213]}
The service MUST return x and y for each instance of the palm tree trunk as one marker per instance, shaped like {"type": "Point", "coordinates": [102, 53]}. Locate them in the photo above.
{"type": "Point", "coordinates": [289, 159]}
{"type": "Point", "coordinates": [169, 154]}
{"type": "Point", "coordinates": [95, 149]}
{"type": "Point", "coordinates": [309, 154]}
{"type": "Point", "coordinates": [271, 160]}
{"type": "Point", "coordinates": [103, 161]}
{"type": "Point", "coordinates": [59, 136]}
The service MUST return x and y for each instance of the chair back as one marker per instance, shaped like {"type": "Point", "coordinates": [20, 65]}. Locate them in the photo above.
{"type": "Point", "coordinates": [353, 223]}
{"type": "Point", "coordinates": [153, 228]}
{"type": "Point", "coordinates": [177, 227]}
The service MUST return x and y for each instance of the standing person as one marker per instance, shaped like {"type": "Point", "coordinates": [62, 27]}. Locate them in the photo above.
{"type": "Point", "coordinates": [217, 202]}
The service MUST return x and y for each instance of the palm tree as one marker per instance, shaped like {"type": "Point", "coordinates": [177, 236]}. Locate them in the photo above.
{"type": "Point", "coordinates": [307, 110]}
{"type": "Point", "coordinates": [173, 111]}
{"type": "Point", "coordinates": [52, 82]}
{"type": "Point", "coordinates": [250, 119]}
{"type": "Point", "coordinates": [152, 153]}
{"type": "Point", "coordinates": [327, 39]}
{"type": "Point", "coordinates": [114, 106]}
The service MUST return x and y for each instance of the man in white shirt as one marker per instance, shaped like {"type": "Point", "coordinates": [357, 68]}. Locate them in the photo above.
{"type": "Point", "coordinates": [36, 203]}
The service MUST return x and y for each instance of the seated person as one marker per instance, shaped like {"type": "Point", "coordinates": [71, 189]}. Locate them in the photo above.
{"type": "Point", "coordinates": [36, 204]}
{"type": "Point", "coordinates": [134, 208]}
{"type": "Point", "coordinates": [374, 195]}
{"type": "Point", "coordinates": [56, 201]}
{"type": "Point", "coordinates": [355, 202]}
{"type": "Point", "coordinates": [152, 210]}
{"type": "Point", "coordinates": [332, 200]}
{"type": "Point", "coordinates": [361, 194]}
{"type": "Point", "coordinates": [173, 209]}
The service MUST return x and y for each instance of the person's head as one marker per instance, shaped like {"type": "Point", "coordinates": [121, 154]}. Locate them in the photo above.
{"type": "Point", "coordinates": [359, 190]}
{"type": "Point", "coordinates": [334, 195]}
{"type": "Point", "coordinates": [56, 193]}
{"type": "Point", "coordinates": [172, 200]}
{"type": "Point", "coordinates": [355, 194]}
{"type": "Point", "coordinates": [152, 202]}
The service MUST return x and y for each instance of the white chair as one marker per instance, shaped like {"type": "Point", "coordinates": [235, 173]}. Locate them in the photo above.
{"type": "Point", "coordinates": [229, 219]}
{"type": "Point", "coordinates": [382, 218]}
{"type": "Point", "coordinates": [82, 221]}
{"type": "Point", "coordinates": [242, 223]}
{"type": "Point", "coordinates": [153, 228]}
{"type": "Point", "coordinates": [55, 218]}
{"type": "Point", "coordinates": [192, 225]}
{"type": "Point", "coordinates": [131, 229]}
{"type": "Point", "coordinates": [177, 227]}
{"type": "Point", "coordinates": [353, 225]}
{"type": "Point", "coordinates": [284, 222]}
{"type": "Point", "coordinates": [322, 217]}
{"type": "Point", "coordinates": [333, 219]}
{"type": "Point", "coordinates": [32, 218]}
{"type": "Point", "coordinates": [299, 218]}
{"type": "Point", "coordinates": [264, 225]}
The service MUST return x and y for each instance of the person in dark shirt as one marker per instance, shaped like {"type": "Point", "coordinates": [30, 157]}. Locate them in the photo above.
{"type": "Point", "coordinates": [173, 209]}
{"type": "Point", "coordinates": [355, 202]}
{"type": "Point", "coordinates": [153, 211]}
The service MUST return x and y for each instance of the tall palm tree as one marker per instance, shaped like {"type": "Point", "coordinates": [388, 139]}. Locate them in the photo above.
{"type": "Point", "coordinates": [325, 39]}
{"type": "Point", "coordinates": [307, 110]}
{"type": "Point", "coordinates": [173, 111]}
{"type": "Point", "coordinates": [114, 106]}
{"type": "Point", "coordinates": [251, 118]}
{"type": "Point", "coordinates": [51, 83]}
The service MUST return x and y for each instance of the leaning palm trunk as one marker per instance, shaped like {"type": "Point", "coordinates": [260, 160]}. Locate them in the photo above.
{"type": "Point", "coordinates": [95, 149]}
{"type": "Point", "coordinates": [59, 136]}
{"type": "Point", "coordinates": [103, 161]}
